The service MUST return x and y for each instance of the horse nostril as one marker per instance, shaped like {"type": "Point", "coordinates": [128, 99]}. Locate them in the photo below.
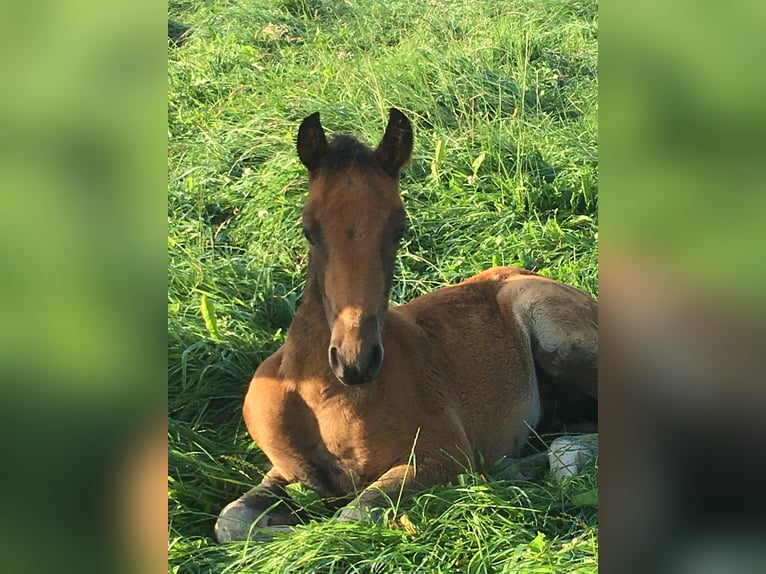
{"type": "Point", "coordinates": [376, 357]}
{"type": "Point", "coordinates": [334, 363]}
{"type": "Point", "coordinates": [363, 369]}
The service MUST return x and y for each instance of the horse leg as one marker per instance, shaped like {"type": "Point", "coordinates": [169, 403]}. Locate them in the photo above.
{"type": "Point", "coordinates": [429, 468]}
{"type": "Point", "coordinates": [562, 325]}
{"type": "Point", "coordinates": [368, 505]}
{"type": "Point", "coordinates": [264, 506]}
{"type": "Point", "coordinates": [566, 456]}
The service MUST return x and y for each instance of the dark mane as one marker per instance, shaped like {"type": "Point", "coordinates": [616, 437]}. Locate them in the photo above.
{"type": "Point", "coordinates": [345, 151]}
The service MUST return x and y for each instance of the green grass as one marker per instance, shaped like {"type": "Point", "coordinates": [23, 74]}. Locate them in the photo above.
{"type": "Point", "coordinates": [503, 98]}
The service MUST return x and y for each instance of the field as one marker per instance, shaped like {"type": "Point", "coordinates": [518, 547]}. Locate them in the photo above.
{"type": "Point", "coordinates": [503, 99]}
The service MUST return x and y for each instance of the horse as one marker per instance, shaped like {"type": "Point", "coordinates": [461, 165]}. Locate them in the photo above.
{"type": "Point", "coordinates": [363, 402]}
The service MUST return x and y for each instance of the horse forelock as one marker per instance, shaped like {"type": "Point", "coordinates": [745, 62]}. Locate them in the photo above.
{"type": "Point", "coordinates": [346, 152]}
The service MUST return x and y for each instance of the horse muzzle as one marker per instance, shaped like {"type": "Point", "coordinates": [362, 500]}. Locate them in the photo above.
{"type": "Point", "coordinates": [356, 351]}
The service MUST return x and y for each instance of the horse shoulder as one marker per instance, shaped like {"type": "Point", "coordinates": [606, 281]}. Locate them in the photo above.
{"type": "Point", "coordinates": [266, 399]}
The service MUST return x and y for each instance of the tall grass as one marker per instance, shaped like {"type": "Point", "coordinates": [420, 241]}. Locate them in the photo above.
{"type": "Point", "coordinates": [503, 99]}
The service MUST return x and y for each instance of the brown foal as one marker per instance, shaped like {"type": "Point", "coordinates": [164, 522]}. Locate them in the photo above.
{"type": "Point", "coordinates": [363, 401]}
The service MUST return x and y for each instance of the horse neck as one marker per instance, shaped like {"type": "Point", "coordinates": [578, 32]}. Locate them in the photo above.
{"type": "Point", "coordinates": [305, 349]}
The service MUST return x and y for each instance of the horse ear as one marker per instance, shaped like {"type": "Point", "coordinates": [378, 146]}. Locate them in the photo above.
{"type": "Point", "coordinates": [312, 143]}
{"type": "Point", "coordinates": [396, 146]}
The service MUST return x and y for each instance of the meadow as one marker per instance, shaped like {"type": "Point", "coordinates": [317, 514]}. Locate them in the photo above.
{"type": "Point", "coordinates": [503, 99]}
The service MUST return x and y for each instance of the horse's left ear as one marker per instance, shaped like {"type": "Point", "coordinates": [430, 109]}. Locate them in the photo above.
{"type": "Point", "coordinates": [312, 143]}
{"type": "Point", "coordinates": [396, 146]}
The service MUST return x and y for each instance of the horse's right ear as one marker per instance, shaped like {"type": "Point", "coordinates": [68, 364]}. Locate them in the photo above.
{"type": "Point", "coordinates": [312, 143]}
{"type": "Point", "coordinates": [396, 146]}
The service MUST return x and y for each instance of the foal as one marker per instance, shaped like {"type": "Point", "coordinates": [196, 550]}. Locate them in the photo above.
{"type": "Point", "coordinates": [362, 400]}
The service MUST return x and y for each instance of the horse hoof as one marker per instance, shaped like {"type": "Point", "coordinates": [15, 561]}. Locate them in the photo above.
{"type": "Point", "coordinates": [234, 522]}
{"type": "Point", "coordinates": [238, 522]}
{"type": "Point", "coordinates": [567, 455]}
{"type": "Point", "coordinates": [360, 512]}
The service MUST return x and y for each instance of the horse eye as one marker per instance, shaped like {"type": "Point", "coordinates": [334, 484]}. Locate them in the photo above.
{"type": "Point", "coordinates": [307, 235]}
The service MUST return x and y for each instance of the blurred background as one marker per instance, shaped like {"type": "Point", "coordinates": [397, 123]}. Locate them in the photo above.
{"type": "Point", "coordinates": [82, 246]}
{"type": "Point", "coordinates": [83, 252]}
{"type": "Point", "coordinates": [682, 138]}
